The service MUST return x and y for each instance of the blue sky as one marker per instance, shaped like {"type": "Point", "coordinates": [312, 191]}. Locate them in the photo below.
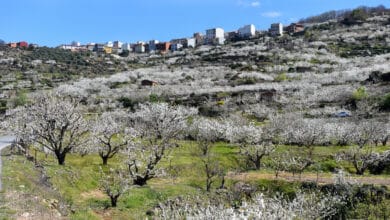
{"type": "Point", "coordinates": [53, 22]}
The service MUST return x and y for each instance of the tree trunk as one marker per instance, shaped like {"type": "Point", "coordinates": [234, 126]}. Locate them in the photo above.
{"type": "Point", "coordinates": [257, 163]}
{"type": "Point", "coordinates": [61, 158]}
{"type": "Point", "coordinates": [384, 142]}
{"type": "Point", "coordinates": [222, 182]}
{"type": "Point", "coordinates": [140, 181]}
{"type": "Point", "coordinates": [208, 184]}
{"type": "Point", "coordinates": [360, 171]}
{"type": "Point", "coordinates": [114, 200]}
{"type": "Point", "coordinates": [105, 160]}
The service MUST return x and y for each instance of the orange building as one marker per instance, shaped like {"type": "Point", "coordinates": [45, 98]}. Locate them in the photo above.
{"type": "Point", "coordinates": [163, 47]}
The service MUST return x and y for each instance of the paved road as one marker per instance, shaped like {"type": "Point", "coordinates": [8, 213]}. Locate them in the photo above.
{"type": "Point", "coordinates": [4, 142]}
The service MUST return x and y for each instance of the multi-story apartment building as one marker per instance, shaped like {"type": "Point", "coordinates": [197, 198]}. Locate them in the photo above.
{"type": "Point", "coordinates": [126, 47]}
{"type": "Point", "coordinates": [152, 45]}
{"type": "Point", "coordinates": [185, 42]}
{"type": "Point", "coordinates": [247, 31]}
{"type": "Point", "coordinates": [199, 38]}
{"type": "Point", "coordinates": [215, 36]}
{"type": "Point", "coordinates": [139, 47]}
{"type": "Point", "coordinates": [276, 29]}
{"type": "Point", "coordinates": [163, 47]}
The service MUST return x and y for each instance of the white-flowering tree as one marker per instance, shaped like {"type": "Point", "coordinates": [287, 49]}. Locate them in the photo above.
{"type": "Point", "coordinates": [382, 134]}
{"type": "Point", "coordinates": [279, 127]}
{"type": "Point", "coordinates": [57, 124]}
{"type": "Point", "coordinates": [213, 170]}
{"type": "Point", "coordinates": [206, 132]}
{"type": "Point", "coordinates": [306, 133]}
{"type": "Point", "coordinates": [343, 133]}
{"type": "Point", "coordinates": [158, 126]}
{"type": "Point", "coordinates": [362, 155]}
{"type": "Point", "coordinates": [17, 123]}
{"type": "Point", "coordinates": [279, 163]}
{"type": "Point", "coordinates": [114, 183]}
{"type": "Point", "coordinates": [254, 143]}
{"type": "Point", "coordinates": [110, 135]}
{"type": "Point", "coordinates": [365, 133]}
{"type": "Point", "coordinates": [360, 158]}
{"type": "Point", "coordinates": [310, 205]}
{"type": "Point", "coordinates": [297, 164]}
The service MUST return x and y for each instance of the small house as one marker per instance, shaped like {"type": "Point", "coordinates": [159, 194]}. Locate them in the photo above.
{"type": "Point", "coordinates": [147, 82]}
{"type": "Point", "coordinates": [294, 28]}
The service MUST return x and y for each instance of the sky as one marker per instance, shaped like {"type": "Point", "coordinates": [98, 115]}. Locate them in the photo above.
{"type": "Point", "coordinates": [55, 22]}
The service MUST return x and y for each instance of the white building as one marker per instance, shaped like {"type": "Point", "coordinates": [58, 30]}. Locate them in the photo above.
{"type": "Point", "coordinates": [191, 42]}
{"type": "Point", "coordinates": [185, 42]}
{"type": "Point", "coordinates": [109, 44]}
{"type": "Point", "coordinates": [139, 47]}
{"type": "Point", "coordinates": [215, 36]}
{"type": "Point", "coordinates": [72, 47]}
{"type": "Point", "coordinates": [176, 47]}
{"type": "Point", "coordinates": [247, 31]}
{"type": "Point", "coordinates": [75, 43]}
{"type": "Point", "coordinates": [126, 47]}
{"type": "Point", "coordinates": [276, 29]}
{"type": "Point", "coordinates": [90, 46]}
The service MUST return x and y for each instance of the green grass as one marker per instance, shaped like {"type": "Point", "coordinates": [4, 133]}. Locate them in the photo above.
{"type": "Point", "coordinates": [78, 180]}
{"type": "Point", "coordinates": [22, 183]}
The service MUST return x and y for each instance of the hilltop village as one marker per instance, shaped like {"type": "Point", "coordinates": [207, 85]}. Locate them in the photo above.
{"type": "Point", "coordinates": [213, 36]}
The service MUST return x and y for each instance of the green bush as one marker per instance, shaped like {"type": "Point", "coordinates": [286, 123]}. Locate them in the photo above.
{"type": "Point", "coordinates": [359, 94]}
{"type": "Point", "coordinates": [20, 99]}
{"type": "Point", "coordinates": [286, 188]}
{"type": "Point", "coordinates": [84, 215]}
{"type": "Point", "coordinates": [154, 98]}
{"type": "Point", "coordinates": [281, 77]}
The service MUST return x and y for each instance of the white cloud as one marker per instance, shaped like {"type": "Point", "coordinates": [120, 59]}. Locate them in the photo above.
{"type": "Point", "coordinates": [255, 4]}
{"type": "Point", "coordinates": [271, 14]}
{"type": "Point", "coordinates": [244, 3]}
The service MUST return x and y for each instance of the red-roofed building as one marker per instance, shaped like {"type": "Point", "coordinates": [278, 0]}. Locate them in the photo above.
{"type": "Point", "coordinates": [22, 44]}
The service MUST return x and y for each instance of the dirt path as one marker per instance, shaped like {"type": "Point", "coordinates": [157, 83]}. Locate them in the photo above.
{"type": "Point", "coordinates": [322, 178]}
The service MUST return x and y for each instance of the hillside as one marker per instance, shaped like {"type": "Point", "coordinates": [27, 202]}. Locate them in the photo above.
{"type": "Point", "coordinates": [286, 127]}
{"type": "Point", "coordinates": [315, 73]}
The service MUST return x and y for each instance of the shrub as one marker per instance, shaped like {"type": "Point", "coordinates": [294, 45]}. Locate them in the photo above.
{"type": "Point", "coordinates": [20, 99]}
{"type": "Point", "coordinates": [329, 166]}
{"type": "Point", "coordinates": [127, 102]}
{"type": "Point", "coordinates": [359, 94]}
{"type": "Point", "coordinates": [281, 77]}
{"type": "Point", "coordinates": [154, 98]}
{"type": "Point", "coordinates": [378, 167]}
{"type": "Point", "coordinates": [221, 102]}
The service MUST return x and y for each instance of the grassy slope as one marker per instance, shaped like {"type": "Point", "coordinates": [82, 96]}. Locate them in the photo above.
{"type": "Point", "coordinates": [78, 179]}
{"type": "Point", "coordinates": [24, 191]}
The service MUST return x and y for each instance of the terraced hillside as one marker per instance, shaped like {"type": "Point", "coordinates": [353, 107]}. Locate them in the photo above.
{"type": "Point", "coordinates": [267, 128]}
